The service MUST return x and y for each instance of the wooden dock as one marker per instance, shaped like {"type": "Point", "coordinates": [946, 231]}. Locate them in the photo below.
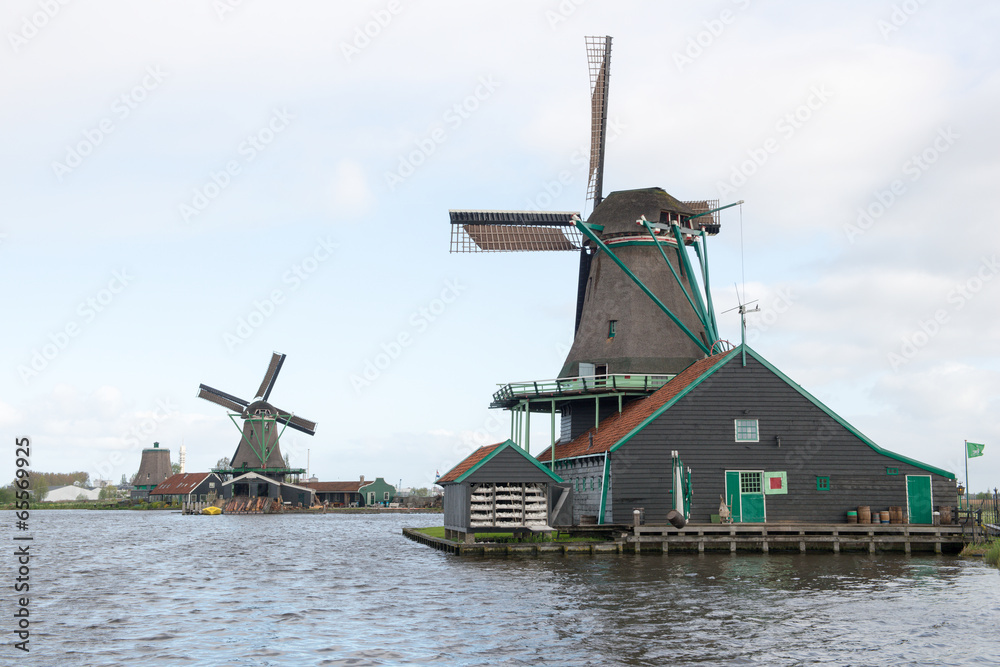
{"type": "Point", "coordinates": [802, 537]}
{"type": "Point", "coordinates": [745, 537]}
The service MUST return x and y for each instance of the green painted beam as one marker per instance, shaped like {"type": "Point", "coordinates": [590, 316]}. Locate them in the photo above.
{"type": "Point", "coordinates": [582, 226]}
{"type": "Point", "coordinates": [682, 253]}
{"type": "Point", "coordinates": [721, 208]}
{"type": "Point", "coordinates": [680, 283]}
{"type": "Point", "coordinates": [703, 261]}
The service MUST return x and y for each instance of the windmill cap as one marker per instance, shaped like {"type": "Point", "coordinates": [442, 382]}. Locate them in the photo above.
{"type": "Point", "coordinates": [620, 209]}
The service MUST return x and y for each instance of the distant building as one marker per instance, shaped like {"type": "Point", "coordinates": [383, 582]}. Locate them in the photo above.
{"type": "Point", "coordinates": [70, 493]}
{"type": "Point", "coordinates": [153, 469]}
{"type": "Point", "coordinates": [188, 487]}
{"type": "Point", "coordinates": [337, 494]}
{"type": "Point", "coordinates": [353, 494]}
{"type": "Point", "coordinates": [378, 492]}
{"type": "Point", "coordinates": [256, 485]}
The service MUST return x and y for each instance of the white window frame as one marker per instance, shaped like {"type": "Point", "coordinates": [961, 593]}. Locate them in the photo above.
{"type": "Point", "coordinates": [756, 430]}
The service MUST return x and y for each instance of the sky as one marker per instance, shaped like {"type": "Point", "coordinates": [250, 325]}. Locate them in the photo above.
{"type": "Point", "coordinates": [189, 185]}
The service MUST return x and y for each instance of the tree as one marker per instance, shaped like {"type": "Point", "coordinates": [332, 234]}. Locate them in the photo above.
{"type": "Point", "coordinates": [40, 487]}
{"type": "Point", "coordinates": [108, 493]}
{"type": "Point", "coordinates": [124, 481]}
{"type": "Point", "coordinates": [175, 468]}
{"type": "Point", "coordinates": [422, 492]}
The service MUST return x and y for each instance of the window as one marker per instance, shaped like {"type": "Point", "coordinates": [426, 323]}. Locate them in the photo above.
{"type": "Point", "coordinates": [612, 326]}
{"type": "Point", "coordinates": [822, 483]}
{"type": "Point", "coordinates": [892, 471]}
{"type": "Point", "coordinates": [750, 482]}
{"type": "Point", "coordinates": [746, 430]}
{"type": "Point", "coordinates": [385, 496]}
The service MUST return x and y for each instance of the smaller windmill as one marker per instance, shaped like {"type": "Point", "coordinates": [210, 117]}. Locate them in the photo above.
{"type": "Point", "coordinates": [259, 447]}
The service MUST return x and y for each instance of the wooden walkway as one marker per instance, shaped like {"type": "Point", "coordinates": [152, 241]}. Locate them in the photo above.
{"type": "Point", "coordinates": [747, 537]}
{"type": "Point", "coordinates": [802, 537]}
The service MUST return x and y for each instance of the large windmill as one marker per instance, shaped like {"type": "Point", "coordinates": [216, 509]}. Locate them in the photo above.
{"type": "Point", "coordinates": [259, 447]}
{"type": "Point", "coordinates": [643, 312]}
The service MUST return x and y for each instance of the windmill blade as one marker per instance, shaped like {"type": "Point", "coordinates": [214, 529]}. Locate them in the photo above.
{"type": "Point", "coordinates": [298, 423]}
{"type": "Point", "coordinates": [270, 376]}
{"type": "Point", "coordinates": [599, 60]}
{"type": "Point", "coordinates": [513, 231]}
{"type": "Point", "coordinates": [221, 398]}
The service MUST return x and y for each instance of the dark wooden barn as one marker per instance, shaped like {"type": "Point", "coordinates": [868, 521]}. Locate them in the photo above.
{"type": "Point", "coordinates": [750, 435]}
{"type": "Point", "coordinates": [188, 488]}
{"type": "Point", "coordinates": [338, 494]}
{"type": "Point", "coordinates": [502, 488]}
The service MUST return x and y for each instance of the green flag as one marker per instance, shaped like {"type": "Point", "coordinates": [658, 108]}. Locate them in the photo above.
{"type": "Point", "coordinates": [974, 449]}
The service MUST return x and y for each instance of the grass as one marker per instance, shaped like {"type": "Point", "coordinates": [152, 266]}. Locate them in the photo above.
{"type": "Point", "coordinates": [992, 556]}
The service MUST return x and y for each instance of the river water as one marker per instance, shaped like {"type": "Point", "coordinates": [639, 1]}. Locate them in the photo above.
{"type": "Point", "coordinates": [124, 588]}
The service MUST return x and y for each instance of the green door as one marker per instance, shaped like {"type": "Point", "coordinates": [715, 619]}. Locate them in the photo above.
{"type": "Point", "coordinates": [745, 495]}
{"type": "Point", "coordinates": [918, 498]}
{"type": "Point", "coordinates": [733, 494]}
{"type": "Point", "coordinates": [752, 496]}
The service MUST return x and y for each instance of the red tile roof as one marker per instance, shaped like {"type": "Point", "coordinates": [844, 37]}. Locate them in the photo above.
{"type": "Point", "coordinates": [334, 487]}
{"type": "Point", "coordinates": [617, 426]}
{"type": "Point", "coordinates": [467, 463]}
{"type": "Point", "coordinates": [180, 484]}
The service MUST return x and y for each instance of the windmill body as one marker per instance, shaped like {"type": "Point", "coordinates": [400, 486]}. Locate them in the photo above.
{"type": "Point", "coordinates": [644, 312]}
{"type": "Point", "coordinates": [259, 449]}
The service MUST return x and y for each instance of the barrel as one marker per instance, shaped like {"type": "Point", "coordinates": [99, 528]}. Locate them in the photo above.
{"type": "Point", "coordinates": [946, 515]}
{"type": "Point", "coordinates": [864, 514]}
{"type": "Point", "coordinates": [884, 516]}
{"type": "Point", "coordinates": [852, 516]}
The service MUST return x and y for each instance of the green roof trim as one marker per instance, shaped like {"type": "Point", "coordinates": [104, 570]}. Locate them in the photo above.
{"type": "Point", "coordinates": [509, 444]}
{"type": "Point", "coordinates": [840, 420]}
{"type": "Point", "coordinates": [812, 399]}
{"type": "Point", "coordinates": [663, 408]}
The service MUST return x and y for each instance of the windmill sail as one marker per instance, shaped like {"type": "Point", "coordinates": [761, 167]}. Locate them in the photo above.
{"type": "Point", "coordinates": [513, 231]}
{"type": "Point", "coordinates": [599, 59]}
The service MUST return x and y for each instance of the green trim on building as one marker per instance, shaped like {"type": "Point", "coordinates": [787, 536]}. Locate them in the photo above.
{"type": "Point", "coordinates": [604, 488]}
{"type": "Point", "coordinates": [506, 445]}
{"type": "Point", "coordinates": [840, 420]}
{"type": "Point", "coordinates": [666, 406]}
{"type": "Point", "coordinates": [805, 394]}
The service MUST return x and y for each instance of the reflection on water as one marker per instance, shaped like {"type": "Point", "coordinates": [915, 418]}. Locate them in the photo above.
{"type": "Point", "coordinates": [114, 588]}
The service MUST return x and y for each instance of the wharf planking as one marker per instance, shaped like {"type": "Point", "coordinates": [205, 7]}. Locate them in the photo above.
{"type": "Point", "coordinates": [699, 538]}
{"type": "Point", "coordinates": [765, 537]}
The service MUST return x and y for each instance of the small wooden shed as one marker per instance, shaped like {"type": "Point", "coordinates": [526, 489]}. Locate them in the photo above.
{"type": "Point", "coordinates": [501, 488]}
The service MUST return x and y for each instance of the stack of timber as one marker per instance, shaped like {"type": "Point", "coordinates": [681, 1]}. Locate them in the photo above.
{"type": "Point", "coordinates": [259, 505]}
